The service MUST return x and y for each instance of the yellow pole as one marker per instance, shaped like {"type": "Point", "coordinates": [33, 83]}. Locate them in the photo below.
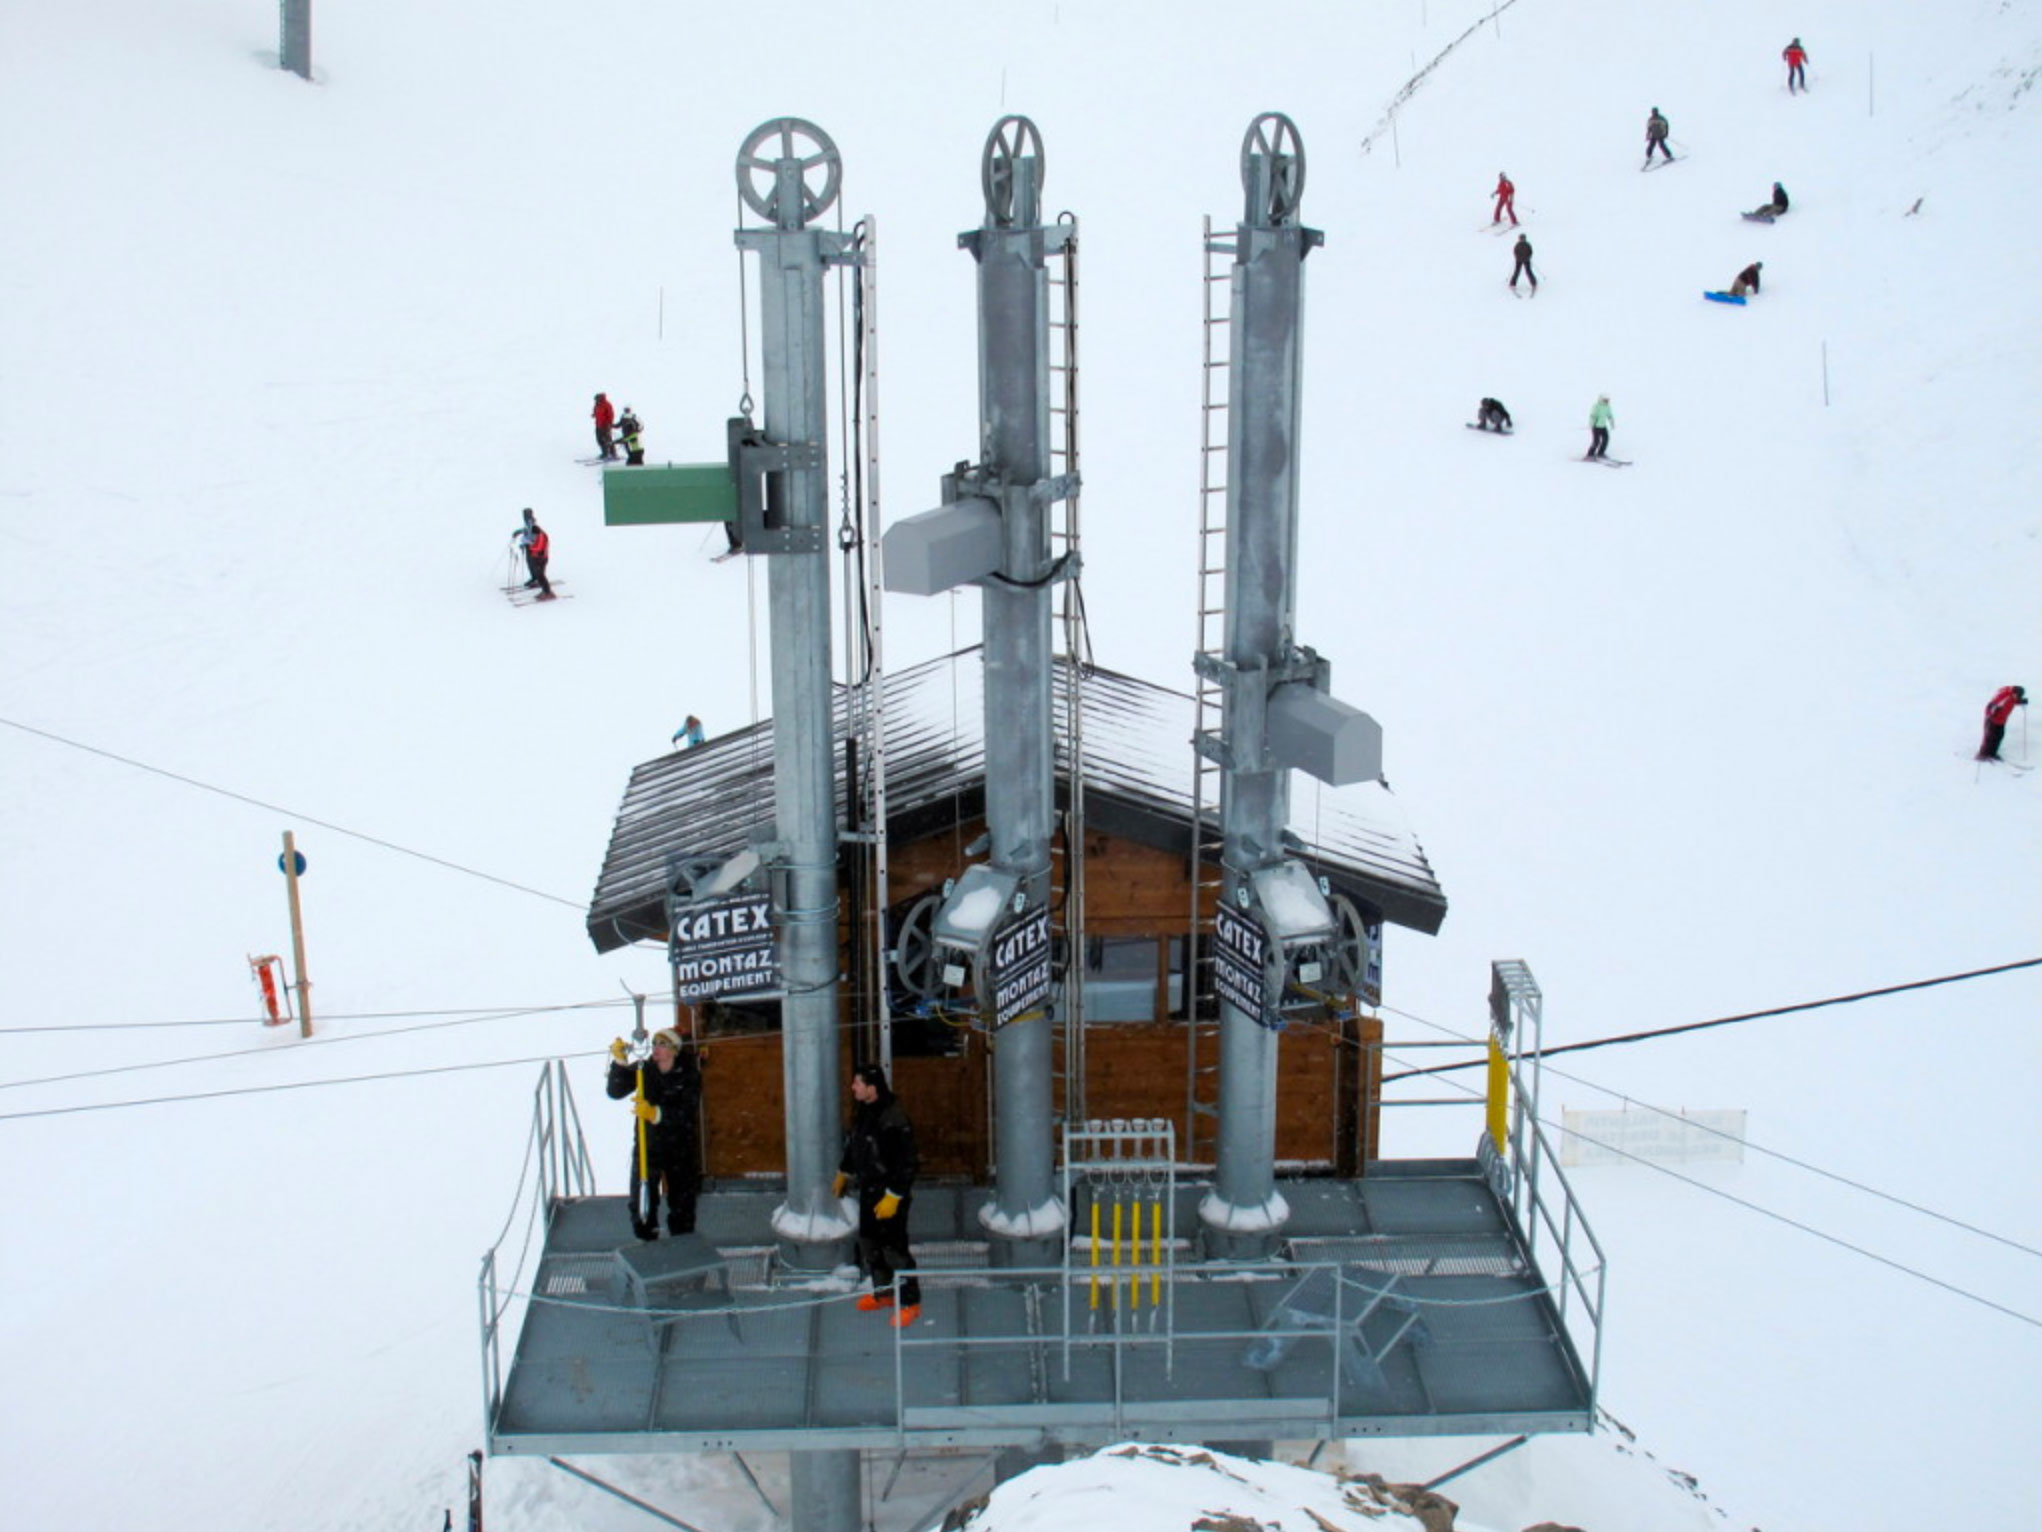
{"type": "Point", "coordinates": [1134, 1276]}
{"type": "Point", "coordinates": [1116, 1242]}
{"type": "Point", "coordinates": [297, 936]}
{"type": "Point", "coordinates": [1499, 1095]}
{"type": "Point", "coordinates": [1156, 1270]}
{"type": "Point", "coordinates": [644, 1158]}
{"type": "Point", "coordinates": [1095, 1247]}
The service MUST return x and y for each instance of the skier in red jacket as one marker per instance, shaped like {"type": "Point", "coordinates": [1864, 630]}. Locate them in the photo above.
{"type": "Point", "coordinates": [605, 416]}
{"type": "Point", "coordinates": [538, 547]}
{"type": "Point", "coordinates": [1506, 199]}
{"type": "Point", "coordinates": [1997, 712]}
{"type": "Point", "coordinates": [1797, 66]}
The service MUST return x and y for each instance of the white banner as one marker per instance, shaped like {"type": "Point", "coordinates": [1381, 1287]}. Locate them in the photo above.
{"type": "Point", "coordinates": [1663, 1138]}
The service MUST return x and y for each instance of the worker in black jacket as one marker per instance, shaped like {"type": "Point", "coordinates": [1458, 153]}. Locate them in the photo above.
{"type": "Point", "coordinates": [669, 1146]}
{"type": "Point", "coordinates": [880, 1160]}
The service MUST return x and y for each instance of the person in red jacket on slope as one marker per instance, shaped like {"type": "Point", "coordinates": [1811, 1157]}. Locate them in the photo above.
{"type": "Point", "coordinates": [538, 547]}
{"type": "Point", "coordinates": [605, 417]}
{"type": "Point", "coordinates": [1506, 199]}
{"type": "Point", "coordinates": [1997, 712]}
{"type": "Point", "coordinates": [1797, 66]}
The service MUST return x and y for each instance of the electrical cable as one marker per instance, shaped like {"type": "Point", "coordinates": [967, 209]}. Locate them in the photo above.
{"type": "Point", "coordinates": [325, 1017]}
{"type": "Point", "coordinates": [1792, 1223]}
{"type": "Point", "coordinates": [1723, 1021]}
{"type": "Point", "coordinates": [102, 1071]}
{"type": "Point", "coordinates": [224, 792]}
{"type": "Point", "coordinates": [264, 1090]}
{"type": "Point", "coordinates": [1756, 1148]}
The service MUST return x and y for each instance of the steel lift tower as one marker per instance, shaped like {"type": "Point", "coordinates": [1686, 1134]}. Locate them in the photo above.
{"type": "Point", "coordinates": [774, 171]}
{"type": "Point", "coordinates": [993, 529]}
{"type": "Point", "coordinates": [1276, 713]}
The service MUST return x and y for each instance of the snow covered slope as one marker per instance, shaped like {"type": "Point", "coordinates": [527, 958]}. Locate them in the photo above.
{"type": "Point", "coordinates": [280, 364]}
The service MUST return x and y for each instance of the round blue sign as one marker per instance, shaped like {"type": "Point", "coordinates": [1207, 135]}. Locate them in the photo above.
{"type": "Point", "coordinates": [296, 856]}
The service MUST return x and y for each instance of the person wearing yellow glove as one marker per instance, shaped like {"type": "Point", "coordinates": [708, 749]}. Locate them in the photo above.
{"type": "Point", "coordinates": [670, 1110]}
{"type": "Point", "coordinates": [881, 1160]}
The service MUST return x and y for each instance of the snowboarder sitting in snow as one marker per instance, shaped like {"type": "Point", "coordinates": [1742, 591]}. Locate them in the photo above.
{"type": "Point", "coordinates": [1523, 251]}
{"type": "Point", "coordinates": [1997, 712]}
{"type": "Point", "coordinates": [1493, 416]}
{"type": "Point", "coordinates": [629, 431]}
{"type": "Point", "coordinates": [1746, 285]}
{"type": "Point", "coordinates": [1656, 129]}
{"type": "Point", "coordinates": [1768, 211]}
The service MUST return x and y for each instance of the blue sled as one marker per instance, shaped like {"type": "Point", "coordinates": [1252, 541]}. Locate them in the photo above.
{"type": "Point", "coordinates": [1724, 298]}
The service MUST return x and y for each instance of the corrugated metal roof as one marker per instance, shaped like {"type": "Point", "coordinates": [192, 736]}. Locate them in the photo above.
{"type": "Point", "coordinates": [709, 801]}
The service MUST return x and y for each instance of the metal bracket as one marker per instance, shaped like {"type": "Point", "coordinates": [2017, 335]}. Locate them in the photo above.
{"type": "Point", "coordinates": [752, 460]}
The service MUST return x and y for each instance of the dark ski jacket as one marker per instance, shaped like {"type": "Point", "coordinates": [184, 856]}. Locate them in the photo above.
{"type": "Point", "coordinates": [1747, 278]}
{"type": "Point", "coordinates": [879, 1152]}
{"type": "Point", "coordinates": [1655, 128]}
{"type": "Point", "coordinates": [677, 1094]}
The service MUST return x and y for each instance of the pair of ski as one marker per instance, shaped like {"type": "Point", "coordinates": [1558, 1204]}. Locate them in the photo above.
{"type": "Point", "coordinates": [2019, 768]}
{"type": "Point", "coordinates": [526, 595]}
{"type": "Point", "coordinates": [1653, 162]}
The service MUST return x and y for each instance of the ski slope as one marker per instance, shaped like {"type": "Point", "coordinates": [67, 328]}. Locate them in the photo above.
{"type": "Point", "coordinates": [281, 363]}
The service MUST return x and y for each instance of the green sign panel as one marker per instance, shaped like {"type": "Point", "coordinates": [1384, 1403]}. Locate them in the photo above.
{"type": "Point", "coordinates": [643, 497]}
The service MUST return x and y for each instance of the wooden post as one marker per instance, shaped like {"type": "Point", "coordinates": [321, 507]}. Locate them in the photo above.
{"type": "Point", "coordinates": [290, 861]}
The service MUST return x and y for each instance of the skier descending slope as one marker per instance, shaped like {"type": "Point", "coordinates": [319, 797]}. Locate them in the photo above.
{"type": "Point", "coordinates": [1797, 66]}
{"type": "Point", "coordinates": [1656, 129]}
{"type": "Point", "coordinates": [1600, 419]}
{"type": "Point", "coordinates": [1506, 199]}
{"type": "Point", "coordinates": [1522, 251]}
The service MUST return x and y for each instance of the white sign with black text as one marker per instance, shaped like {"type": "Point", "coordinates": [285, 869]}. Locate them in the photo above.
{"type": "Point", "coordinates": [1240, 962]}
{"type": "Point", "coordinates": [1019, 967]}
{"type": "Point", "coordinates": [725, 947]}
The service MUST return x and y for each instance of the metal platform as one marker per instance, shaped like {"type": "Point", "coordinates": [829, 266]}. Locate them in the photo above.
{"type": "Point", "coordinates": [1411, 1304]}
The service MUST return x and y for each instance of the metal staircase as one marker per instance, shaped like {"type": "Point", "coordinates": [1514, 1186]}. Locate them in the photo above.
{"type": "Point", "coordinates": [1201, 1011]}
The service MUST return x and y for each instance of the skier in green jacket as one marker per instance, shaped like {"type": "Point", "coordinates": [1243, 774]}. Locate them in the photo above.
{"type": "Point", "coordinates": [1599, 421]}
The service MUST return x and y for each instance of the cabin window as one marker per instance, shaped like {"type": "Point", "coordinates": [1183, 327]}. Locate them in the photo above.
{"type": "Point", "coordinates": [1124, 976]}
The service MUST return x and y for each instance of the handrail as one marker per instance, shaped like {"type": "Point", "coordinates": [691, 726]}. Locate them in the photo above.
{"type": "Point", "coordinates": [557, 1147]}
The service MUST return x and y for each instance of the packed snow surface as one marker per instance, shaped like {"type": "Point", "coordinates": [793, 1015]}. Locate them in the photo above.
{"type": "Point", "coordinates": [282, 362]}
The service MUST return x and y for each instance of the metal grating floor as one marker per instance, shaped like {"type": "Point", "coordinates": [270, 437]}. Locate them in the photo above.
{"type": "Point", "coordinates": [1468, 1342]}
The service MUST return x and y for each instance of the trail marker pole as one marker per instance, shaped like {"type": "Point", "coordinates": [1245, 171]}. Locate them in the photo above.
{"type": "Point", "coordinates": [292, 864]}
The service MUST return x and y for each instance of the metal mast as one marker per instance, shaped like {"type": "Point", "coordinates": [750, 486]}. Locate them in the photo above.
{"type": "Point", "coordinates": [774, 169]}
{"type": "Point", "coordinates": [1276, 712]}
{"type": "Point", "coordinates": [803, 852]}
{"type": "Point", "coordinates": [994, 528]}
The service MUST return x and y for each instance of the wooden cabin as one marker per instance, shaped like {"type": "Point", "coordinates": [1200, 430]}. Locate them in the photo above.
{"type": "Point", "coordinates": [1147, 1043]}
